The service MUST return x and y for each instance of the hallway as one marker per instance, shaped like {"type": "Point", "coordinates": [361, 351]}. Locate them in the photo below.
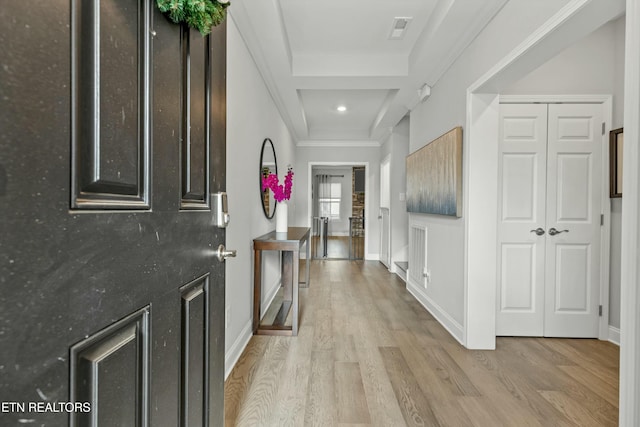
{"type": "Point", "coordinates": [369, 354]}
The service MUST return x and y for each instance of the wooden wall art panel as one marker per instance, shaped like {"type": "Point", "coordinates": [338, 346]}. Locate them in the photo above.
{"type": "Point", "coordinates": [434, 176]}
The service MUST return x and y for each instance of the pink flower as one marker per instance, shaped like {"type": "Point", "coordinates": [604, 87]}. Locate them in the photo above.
{"type": "Point", "coordinates": [280, 192]}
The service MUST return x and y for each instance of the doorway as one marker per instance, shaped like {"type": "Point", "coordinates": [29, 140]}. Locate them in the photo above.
{"type": "Point", "coordinates": [550, 175]}
{"type": "Point", "coordinates": [338, 194]}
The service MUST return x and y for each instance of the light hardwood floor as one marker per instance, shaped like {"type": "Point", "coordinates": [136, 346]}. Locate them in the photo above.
{"type": "Point", "coordinates": [369, 354]}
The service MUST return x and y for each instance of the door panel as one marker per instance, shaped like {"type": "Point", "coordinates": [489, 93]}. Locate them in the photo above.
{"type": "Point", "coordinates": [195, 121]}
{"type": "Point", "coordinates": [518, 278]}
{"type": "Point", "coordinates": [110, 110]}
{"type": "Point", "coordinates": [195, 329]}
{"type": "Point", "coordinates": [520, 187]}
{"type": "Point", "coordinates": [522, 171]}
{"type": "Point", "coordinates": [573, 204]}
{"type": "Point", "coordinates": [572, 278]}
{"type": "Point", "coordinates": [109, 290]}
{"type": "Point", "coordinates": [110, 371]}
{"type": "Point", "coordinates": [574, 198]}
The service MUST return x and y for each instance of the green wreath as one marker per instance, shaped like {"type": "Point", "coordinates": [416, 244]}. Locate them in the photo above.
{"type": "Point", "coordinates": [199, 14]}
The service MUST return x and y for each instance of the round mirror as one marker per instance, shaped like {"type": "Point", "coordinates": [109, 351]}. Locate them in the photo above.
{"type": "Point", "coordinates": [268, 165]}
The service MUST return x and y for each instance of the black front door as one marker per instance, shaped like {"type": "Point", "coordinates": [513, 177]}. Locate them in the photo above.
{"type": "Point", "coordinates": [112, 142]}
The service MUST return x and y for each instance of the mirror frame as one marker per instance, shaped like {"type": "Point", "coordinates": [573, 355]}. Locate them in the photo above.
{"type": "Point", "coordinates": [275, 159]}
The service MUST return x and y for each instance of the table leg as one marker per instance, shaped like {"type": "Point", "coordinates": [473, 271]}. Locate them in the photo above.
{"type": "Point", "coordinates": [308, 261]}
{"type": "Point", "coordinates": [295, 275]}
{"type": "Point", "coordinates": [257, 285]}
{"type": "Point", "coordinates": [286, 274]}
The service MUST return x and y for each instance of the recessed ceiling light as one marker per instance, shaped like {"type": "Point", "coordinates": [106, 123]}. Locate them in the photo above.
{"type": "Point", "coordinates": [341, 108]}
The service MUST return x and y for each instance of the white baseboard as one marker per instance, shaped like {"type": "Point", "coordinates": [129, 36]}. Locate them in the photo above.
{"type": "Point", "coordinates": [338, 234]}
{"type": "Point", "coordinates": [372, 257]}
{"type": "Point", "coordinates": [448, 322]}
{"type": "Point", "coordinates": [402, 275]}
{"type": "Point", "coordinates": [614, 335]}
{"type": "Point", "coordinates": [231, 357]}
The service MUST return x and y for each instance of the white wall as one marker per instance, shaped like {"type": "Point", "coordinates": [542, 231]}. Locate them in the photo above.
{"type": "Point", "coordinates": [251, 117]}
{"type": "Point", "coordinates": [445, 109]}
{"type": "Point", "coordinates": [340, 153]}
{"type": "Point", "coordinates": [594, 65]}
{"type": "Point", "coordinates": [589, 64]}
{"type": "Point", "coordinates": [397, 147]}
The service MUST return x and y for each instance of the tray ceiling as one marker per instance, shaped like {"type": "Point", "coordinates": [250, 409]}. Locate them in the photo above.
{"type": "Point", "coordinates": [317, 55]}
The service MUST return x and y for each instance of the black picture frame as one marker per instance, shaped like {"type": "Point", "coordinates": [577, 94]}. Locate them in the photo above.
{"type": "Point", "coordinates": [616, 145]}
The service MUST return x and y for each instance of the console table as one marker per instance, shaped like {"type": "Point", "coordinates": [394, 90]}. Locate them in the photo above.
{"type": "Point", "coordinates": [289, 244]}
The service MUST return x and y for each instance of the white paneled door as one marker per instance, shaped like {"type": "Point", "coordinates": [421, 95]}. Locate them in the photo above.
{"type": "Point", "coordinates": [574, 180]}
{"type": "Point", "coordinates": [521, 252]}
{"type": "Point", "coordinates": [550, 174]}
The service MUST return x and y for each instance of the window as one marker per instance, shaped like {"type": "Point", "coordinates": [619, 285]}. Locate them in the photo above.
{"type": "Point", "coordinates": [330, 199]}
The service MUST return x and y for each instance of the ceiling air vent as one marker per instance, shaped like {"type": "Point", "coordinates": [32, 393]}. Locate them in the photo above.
{"type": "Point", "coordinates": [399, 27]}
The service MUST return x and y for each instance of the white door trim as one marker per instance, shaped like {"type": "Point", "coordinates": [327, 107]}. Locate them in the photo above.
{"type": "Point", "coordinates": [605, 231]}
{"type": "Point", "coordinates": [553, 99]}
{"type": "Point", "coordinates": [630, 295]}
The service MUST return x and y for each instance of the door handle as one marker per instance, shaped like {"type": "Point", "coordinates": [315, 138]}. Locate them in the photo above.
{"type": "Point", "coordinates": [553, 231]}
{"type": "Point", "coordinates": [539, 231]}
{"type": "Point", "coordinates": [222, 253]}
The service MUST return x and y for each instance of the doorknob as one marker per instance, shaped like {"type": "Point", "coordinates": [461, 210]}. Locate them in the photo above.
{"type": "Point", "coordinates": [222, 253]}
{"type": "Point", "coordinates": [553, 231]}
{"type": "Point", "coordinates": [539, 231]}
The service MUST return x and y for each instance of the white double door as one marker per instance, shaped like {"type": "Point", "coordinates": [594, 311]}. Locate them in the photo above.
{"type": "Point", "coordinates": [549, 237]}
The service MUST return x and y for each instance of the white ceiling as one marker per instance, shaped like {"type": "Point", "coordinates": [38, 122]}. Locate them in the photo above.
{"type": "Point", "coordinates": [316, 55]}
